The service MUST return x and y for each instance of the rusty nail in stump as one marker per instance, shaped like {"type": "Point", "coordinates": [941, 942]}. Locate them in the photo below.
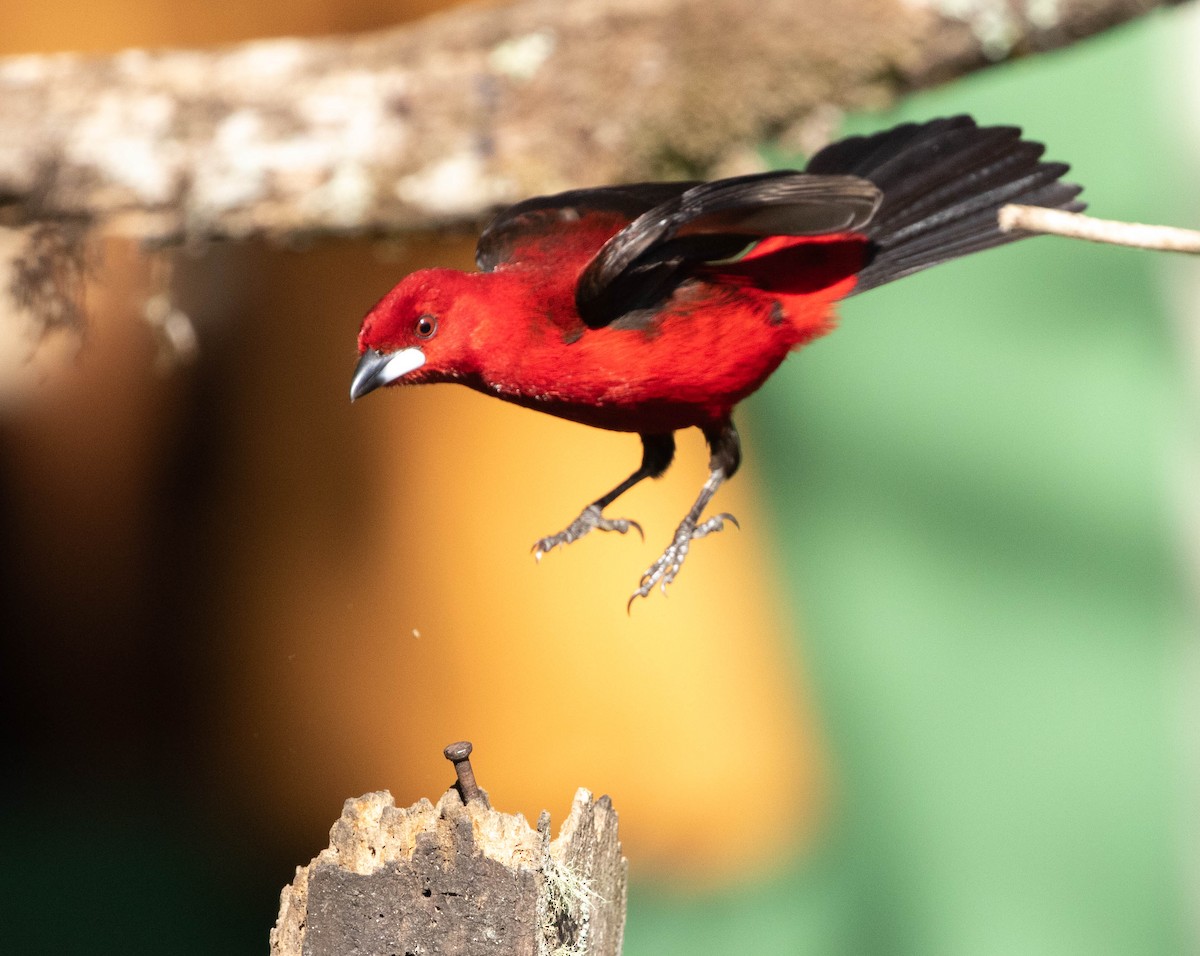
{"type": "Point", "coordinates": [459, 754]}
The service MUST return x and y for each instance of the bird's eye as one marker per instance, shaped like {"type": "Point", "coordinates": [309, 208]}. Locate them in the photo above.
{"type": "Point", "coordinates": [426, 326]}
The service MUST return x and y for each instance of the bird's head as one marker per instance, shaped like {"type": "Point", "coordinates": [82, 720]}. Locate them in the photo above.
{"type": "Point", "coordinates": [410, 336]}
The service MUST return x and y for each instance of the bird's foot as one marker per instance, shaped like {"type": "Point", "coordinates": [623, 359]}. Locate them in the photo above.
{"type": "Point", "coordinates": [591, 518]}
{"type": "Point", "coordinates": [663, 571]}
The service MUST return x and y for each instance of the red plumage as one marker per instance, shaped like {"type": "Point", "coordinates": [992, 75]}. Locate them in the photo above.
{"type": "Point", "coordinates": [655, 307]}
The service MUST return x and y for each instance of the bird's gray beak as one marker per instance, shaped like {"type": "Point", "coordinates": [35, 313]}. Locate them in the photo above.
{"type": "Point", "coordinates": [376, 369]}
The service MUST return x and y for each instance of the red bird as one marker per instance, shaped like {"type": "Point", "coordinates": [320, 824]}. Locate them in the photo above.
{"type": "Point", "coordinates": [658, 306]}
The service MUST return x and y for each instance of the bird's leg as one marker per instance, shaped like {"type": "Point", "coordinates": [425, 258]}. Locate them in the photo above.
{"type": "Point", "coordinates": [726, 455]}
{"type": "Point", "coordinates": [657, 452]}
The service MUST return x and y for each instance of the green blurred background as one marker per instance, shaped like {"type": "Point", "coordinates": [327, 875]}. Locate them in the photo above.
{"type": "Point", "coordinates": [981, 495]}
{"type": "Point", "coordinates": [980, 485]}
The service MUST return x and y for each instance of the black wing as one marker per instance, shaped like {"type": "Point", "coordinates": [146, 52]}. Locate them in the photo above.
{"type": "Point", "coordinates": [640, 265]}
{"type": "Point", "coordinates": [504, 236]}
{"type": "Point", "coordinates": [943, 183]}
{"type": "Point", "coordinates": [922, 194]}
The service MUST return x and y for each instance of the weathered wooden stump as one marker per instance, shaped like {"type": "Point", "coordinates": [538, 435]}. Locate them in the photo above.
{"type": "Point", "coordinates": [458, 880]}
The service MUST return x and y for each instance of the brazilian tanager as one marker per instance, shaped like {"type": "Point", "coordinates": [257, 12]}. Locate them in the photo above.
{"type": "Point", "coordinates": [653, 307]}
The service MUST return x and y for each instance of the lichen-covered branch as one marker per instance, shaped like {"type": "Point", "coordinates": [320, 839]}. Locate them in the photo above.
{"type": "Point", "coordinates": [432, 124]}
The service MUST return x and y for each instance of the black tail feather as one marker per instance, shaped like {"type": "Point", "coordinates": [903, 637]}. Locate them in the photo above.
{"type": "Point", "coordinates": [943, 183]}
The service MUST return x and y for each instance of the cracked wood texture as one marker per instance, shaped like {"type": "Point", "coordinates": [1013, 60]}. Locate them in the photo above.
{"type": "Point", "coordinates": [449, 880]}
{"type": "Point", "coordinates": [435, 123]}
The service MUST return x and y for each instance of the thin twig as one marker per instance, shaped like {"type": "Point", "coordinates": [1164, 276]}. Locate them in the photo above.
{"type": "Point", "coordinates": [1075, 225]}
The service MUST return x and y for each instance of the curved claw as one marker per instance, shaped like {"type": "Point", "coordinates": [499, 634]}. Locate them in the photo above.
{"type": "Point", "coordinates": [663, 571]}
{"type": "Point", "coordinates": [590, 518]}
{"type": "Point", "coordinates": [715, 523]}
{"type": "Point", "coordinates": [544, 546]}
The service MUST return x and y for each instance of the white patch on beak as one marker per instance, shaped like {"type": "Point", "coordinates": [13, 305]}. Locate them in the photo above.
{"type": "Point", "coordinates": [376, 369]}
{"type": "Point", "coordinates": [401, 363]}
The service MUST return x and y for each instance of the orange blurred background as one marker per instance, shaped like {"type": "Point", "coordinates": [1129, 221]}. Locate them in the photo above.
{"type": "Point", "coordinates": [229, 600]}
{"type": "Point", "coordinates": [226, 577]}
